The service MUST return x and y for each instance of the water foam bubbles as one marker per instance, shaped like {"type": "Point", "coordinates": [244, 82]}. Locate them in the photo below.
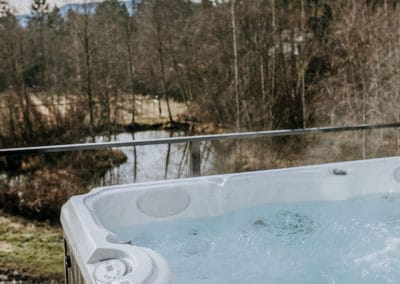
{"type": "Point", "coordinates": [351, 241]}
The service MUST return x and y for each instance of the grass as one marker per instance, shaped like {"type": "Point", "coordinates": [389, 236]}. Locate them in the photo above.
{"type": "Point", "coordinates": [29, 250]}
{"type": "Point", "coordinates": [32, 250]}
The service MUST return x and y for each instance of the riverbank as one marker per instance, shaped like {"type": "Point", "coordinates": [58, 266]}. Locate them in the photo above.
{"type": "Point", "coordinates": [31, 243]}
{"type": "Point", "coordinates": [148, 111]}
{"type": "Point", "coordinates": [34, 187]}
{"type": "Point", "coordinates": [44, 182]}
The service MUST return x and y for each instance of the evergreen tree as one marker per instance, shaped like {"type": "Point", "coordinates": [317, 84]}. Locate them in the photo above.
{"type": "Point", "coordinates": [40, 7]}
{"type": "Point", "coordinates": [4, 8]}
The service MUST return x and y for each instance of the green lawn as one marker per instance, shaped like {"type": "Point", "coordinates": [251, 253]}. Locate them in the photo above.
{"type": "Point", "coordinates": [31, 250]}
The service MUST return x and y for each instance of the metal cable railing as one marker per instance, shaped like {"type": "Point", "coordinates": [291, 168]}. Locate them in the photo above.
{"type": "Point", "coordinates": [193, 140]}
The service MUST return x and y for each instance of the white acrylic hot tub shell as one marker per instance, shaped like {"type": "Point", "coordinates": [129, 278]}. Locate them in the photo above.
{"type": "Point", "coordinates": [88, 219]}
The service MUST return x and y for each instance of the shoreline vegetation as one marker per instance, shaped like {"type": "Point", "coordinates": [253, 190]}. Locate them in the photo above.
{"type": "Point", "coordinates": [34, 187]}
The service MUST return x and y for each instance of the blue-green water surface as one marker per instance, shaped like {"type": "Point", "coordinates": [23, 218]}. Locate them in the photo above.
{"type": "Point", "coordinates": [351, 241]}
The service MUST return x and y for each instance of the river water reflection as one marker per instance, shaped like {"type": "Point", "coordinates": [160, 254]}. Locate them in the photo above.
{"type": "Point", "coordinates": [155, 162]}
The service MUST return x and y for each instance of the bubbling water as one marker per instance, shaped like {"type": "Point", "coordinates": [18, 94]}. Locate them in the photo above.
{"type": "Point", "coordinates": [351, 241]}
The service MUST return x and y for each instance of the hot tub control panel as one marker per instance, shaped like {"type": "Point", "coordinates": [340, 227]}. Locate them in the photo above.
{"type": "Point", "coordinates": [107, 271]}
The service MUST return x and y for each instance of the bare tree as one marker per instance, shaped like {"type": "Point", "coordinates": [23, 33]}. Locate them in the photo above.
{"type": "Point", "coordinates": [235, 63]}
{"type": "Point", "coordinates": [84, 33]}
{"type": "Point", "coordinates": [129, 29]}
{"type": "Point", "coordinates": [39, 9]}
{"type": "Point", "coordinates": [303, 64]}
{"type": "Point", "coordinates": [157, 17]}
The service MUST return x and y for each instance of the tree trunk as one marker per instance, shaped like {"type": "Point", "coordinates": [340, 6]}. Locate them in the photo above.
{"type": "Point", "coordinates": [303, 64]}
{"type": "Point", "coordinates": [131, 68]}
{"type": "Point", "coordinates": [235, 64]}
{"type": "Point", "coordinates": [24, 102]}
{"type": "Point", "coordinates": [88, 63]}
{"type": "Point", "coordinates": [273, 63]}
{"type": "Point", "coordinates": [162, 72]}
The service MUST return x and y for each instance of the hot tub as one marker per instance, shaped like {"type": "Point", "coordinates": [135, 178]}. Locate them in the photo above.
{"type": "Point", "coordinates": [331, 223]}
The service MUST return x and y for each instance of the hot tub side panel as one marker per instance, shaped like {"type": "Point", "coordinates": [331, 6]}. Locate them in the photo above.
{"type": "Point", "coordinates": [88, 245]}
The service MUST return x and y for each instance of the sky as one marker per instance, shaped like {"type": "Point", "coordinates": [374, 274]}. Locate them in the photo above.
{"type": "Point", "coordinates": [24, 6]}
{"type": "Point", "coordinates": [20, 7]}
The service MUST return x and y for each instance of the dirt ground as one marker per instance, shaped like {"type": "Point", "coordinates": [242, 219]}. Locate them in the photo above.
{"type": "Point", "coordinates": [147, 108]}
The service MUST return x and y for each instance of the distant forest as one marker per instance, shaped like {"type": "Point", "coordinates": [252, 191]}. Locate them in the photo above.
{"type": "Point", "coordinates": [242, 65]}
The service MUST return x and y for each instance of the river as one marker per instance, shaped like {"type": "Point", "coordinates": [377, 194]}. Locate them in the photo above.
{"type": "Point", "coordinates": [155, 162]}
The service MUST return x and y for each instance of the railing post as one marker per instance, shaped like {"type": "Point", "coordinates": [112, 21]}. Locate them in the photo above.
{"type": "Point", "coordinates": [195, 159]}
